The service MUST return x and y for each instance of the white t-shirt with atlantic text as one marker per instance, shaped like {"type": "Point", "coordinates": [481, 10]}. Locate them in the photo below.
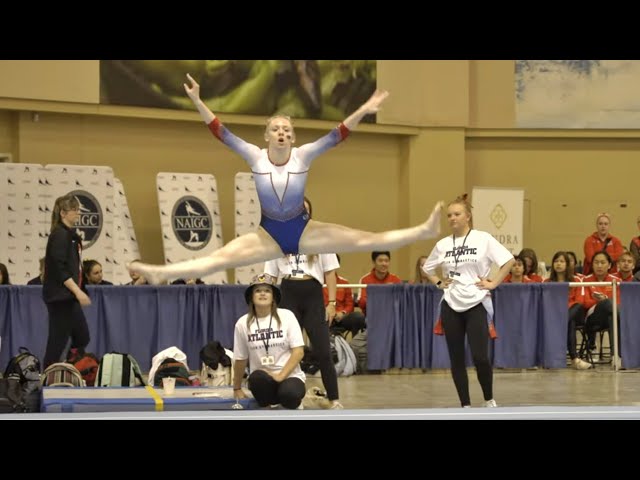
{"type": "Point", "coordinates": [475, 255]}
{"type": "Point", "coordinates": [324, 262]}
{"type": "Point", "coordinates": [251, 343]}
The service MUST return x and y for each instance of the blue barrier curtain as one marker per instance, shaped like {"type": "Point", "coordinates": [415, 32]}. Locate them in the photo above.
{"type": "Point", "coordinates": [630, 324]}
{"type": "Point", "coordinates": [24, 321]}
{"type": "Point", "coordinates": [554, 320]}
{"type": "Point", "coordinates": [516, 317]}
{"type": "Point", "coordinates": [531, 321]}
{"type": "Point", "coordinates": [400, 320]}
{"type": "Point", "coordinates": [140, 320]}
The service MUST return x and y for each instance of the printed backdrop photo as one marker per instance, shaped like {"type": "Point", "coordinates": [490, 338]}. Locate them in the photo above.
{"type": "Point", "coordinates": [316, 89]}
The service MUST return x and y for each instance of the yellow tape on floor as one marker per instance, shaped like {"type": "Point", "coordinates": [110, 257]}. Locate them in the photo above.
{"type": "Point", "coordinates": [156, 398]}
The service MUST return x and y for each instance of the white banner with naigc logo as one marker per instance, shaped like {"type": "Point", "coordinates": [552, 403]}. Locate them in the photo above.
{"type": "Point", "coordinates": [93, 186]}
{"type": "Point", "coordinates": [500, 212]}
{"type": "Point", "coordinates": [125, 248]}
{"type": "Point", "coordinates": [247, 221]}
{"type": "Point", "coordinates": [23, 235]}
{"type": "Point", "coordinates": [190, 218]}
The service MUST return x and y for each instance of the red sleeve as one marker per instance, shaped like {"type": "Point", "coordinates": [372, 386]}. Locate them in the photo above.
{"type": "Point", "coordinates": [216, 128]}
{"type": "Point", "coordinates": [589, 252]}
{"type": "Point", "coordinates": [618, 249]}
{"type": "Point", "coordinates": [347, 306]}
{"type": "Point", "coordinates": [588, 301]}
{"type": "Point", "coordinates": [575, 296]}
{"type": "Point", "coordinates": [362, 301]}
{"type": "Point", "coordinates": [344, 131]}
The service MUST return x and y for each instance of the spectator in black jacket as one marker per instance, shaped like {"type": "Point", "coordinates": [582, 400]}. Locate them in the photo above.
{"type": "Point", "coordinates": [63, 289]}
{"type": "Point", "coordinates": [92, 270]}
{"type": "Point", "coordinates": [38, 280]}
{"type": "Point", "coordinates": [4, 275]}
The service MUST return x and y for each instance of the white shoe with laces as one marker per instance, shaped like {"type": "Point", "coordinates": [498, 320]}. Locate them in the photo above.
{"type": "Point", "coordinates": [490, 403]}
{"type": "Point", "coordinates": [336, 405]}
{"type": "Point", "coordinates": [580, 364]}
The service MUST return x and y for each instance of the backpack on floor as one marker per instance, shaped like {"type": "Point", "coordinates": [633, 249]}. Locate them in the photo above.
{"type": "Point", "coordinates": [118, 370]}
{"type": "Point", "coordinates": [170, 367]}
{"type": "Point", "coordinates": [11, 395]}
{"type": "Point", "coordinates": [27, 367]}
{"type": "Point", "coordinates": [62, 374]}
{"type": "Point", "coordinates": [87, 365]}
{"type": "Point", "coordinates": [346, 364]}
{"type": "Point", "coordinates": [216, 365]}
{"type": "Point", "coordinates": [359, 347]}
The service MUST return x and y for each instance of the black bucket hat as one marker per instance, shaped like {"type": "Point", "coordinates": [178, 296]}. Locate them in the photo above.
{"type": "Point", "coordinates": [262, 279]}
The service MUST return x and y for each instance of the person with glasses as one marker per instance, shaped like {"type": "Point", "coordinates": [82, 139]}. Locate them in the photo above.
{"type": "Point", "coordinates": [465, 258]}
{"type": "Point", "coordinates": [63, 290]}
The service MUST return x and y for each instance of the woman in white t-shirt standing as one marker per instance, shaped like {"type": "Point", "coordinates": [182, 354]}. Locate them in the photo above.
{"type": "Point", "coordinates": [302, 280]}
{"type": "Point", "coordinates": [270, 339]}
{"type": "Point", "coordinates": [465, 258]}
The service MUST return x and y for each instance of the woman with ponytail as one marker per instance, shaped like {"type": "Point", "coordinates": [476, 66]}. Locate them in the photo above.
{"type": "Point", "coordinates": [465, 258]}
{"type": "Point", "coordinates": [62, 289]}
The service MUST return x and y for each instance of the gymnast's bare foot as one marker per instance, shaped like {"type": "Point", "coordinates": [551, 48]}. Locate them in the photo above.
{"type": "Point", "coordinates": [432, 225]}
{"type": "Point", "coordinates": [150, 272]}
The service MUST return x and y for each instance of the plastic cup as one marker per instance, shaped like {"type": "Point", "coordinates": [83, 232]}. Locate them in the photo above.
{"type": "Point", "coordinates": [169, 385]}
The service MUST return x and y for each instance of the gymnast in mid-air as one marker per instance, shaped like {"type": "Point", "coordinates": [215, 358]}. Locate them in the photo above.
{"type": "Point", "coordinates": [280, 173]}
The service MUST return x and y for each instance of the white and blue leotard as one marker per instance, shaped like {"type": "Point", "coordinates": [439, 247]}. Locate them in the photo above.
{"type": "Point", "coordinates": [281, 188]}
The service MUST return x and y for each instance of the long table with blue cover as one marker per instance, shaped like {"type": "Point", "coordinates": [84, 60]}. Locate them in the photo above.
{"type": "Point", "coordinates": [531, 321]}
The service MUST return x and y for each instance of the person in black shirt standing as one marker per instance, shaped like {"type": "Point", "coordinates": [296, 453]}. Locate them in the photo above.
{"type": "Point", "coordinates": [63, 289]}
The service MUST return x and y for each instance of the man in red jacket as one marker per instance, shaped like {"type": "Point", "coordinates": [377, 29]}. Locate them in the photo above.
{"type": "Point", "coordinates": [377, 276]}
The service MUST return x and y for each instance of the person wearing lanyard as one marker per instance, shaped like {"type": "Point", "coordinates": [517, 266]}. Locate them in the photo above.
{"type": "Point", "coordinates": [62, 288]}
{"type": "Point", "coordinates": [302, 280]}
{"type": "Point", "coordinates": [466, 303]}
{"type": "Point", "coordinates": [270, 339]}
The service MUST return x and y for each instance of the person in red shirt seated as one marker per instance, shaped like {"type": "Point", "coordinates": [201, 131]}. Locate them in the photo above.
{"type": "Point", "coordinates": [601, 240]}
{"type": "Point", "coordinates": [626, 267]}
{"type": "Point", "coordinates": [421, 276]}
{"type": "Point", "coordinates": [634, 248]}
{"type": "Point", "coordinates": [377, 276]}
{"type": "Point", "coordinates": [597, 300]}
{"type": "Point", "coordinates": [517, 272]}
{"type": "Point", "coordinates": [530, 260]}
{"type": "Point", "coordinates": [346, 318]}
{"type": "Point", "coordinates": [573, 264]}
{"type": "Point", "coordinates": [562, 271]}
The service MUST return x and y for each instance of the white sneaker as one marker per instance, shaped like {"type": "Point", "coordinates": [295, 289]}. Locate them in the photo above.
{"type": "Point", "coordinates": [300, 407]}
{"type": "Point", "coordinates": [580, 364]}
{"type": "Point", "coordinates": [490, 403]}
{"type": "Point", "coordinates": [336, 405]}
{"type": "Point", "coordinates": [466, 406]}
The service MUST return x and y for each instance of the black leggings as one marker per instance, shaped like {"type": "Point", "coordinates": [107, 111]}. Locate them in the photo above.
{"type": "Point", "coordinates": [576, 318]}
{"type": "Point", "coordinates": [353, 322]}
{"type": "Point", "coordinates": [288, 393]}
{"type": "Point", "coordinates": [304, 298]}
{"type": "Point", "coordinates": [473, 322]}
{"type": "Point", "coordinates": [600, 320]}
{"type": "Point", "coordinates": [66, 320]}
